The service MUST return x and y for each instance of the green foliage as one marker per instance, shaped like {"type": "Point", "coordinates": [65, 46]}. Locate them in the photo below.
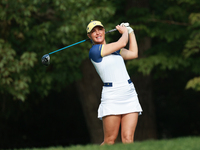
{"type": "Point", "coordinates": [187, 143]}
{"type": "Point", "coordinates": [13, 77]}
{"type": "Point", "coordinates": [175, 30]}
{"type": "Point", "coordinates": [194, 83]}
{"type": "Point", "coordinates": [160, 61]}
{"type": "Point", "coordinates": [192, 48]}
{"type": "Point", "coordinates": [40, 27]}
{"type": "Point", "coordinates": [193, 44]}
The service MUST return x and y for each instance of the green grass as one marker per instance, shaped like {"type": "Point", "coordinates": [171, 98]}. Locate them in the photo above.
{"type": "Point", "coordinates": [184, 143]}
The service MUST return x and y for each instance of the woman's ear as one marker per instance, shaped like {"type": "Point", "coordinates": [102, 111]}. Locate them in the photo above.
{"type": "Point", "coordinates": [89, 35]}
{"type": "Point", "coordinates": [90, 38]}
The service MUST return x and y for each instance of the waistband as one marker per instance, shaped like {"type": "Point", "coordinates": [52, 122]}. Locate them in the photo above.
{"type": "Point", "coordinates": [110, 84]}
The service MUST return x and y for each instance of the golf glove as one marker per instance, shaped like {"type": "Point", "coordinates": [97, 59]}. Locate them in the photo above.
{"type": "Point", "coordinates": [129, 30]}
{"type": "Point", "coordinates": [127, 26]}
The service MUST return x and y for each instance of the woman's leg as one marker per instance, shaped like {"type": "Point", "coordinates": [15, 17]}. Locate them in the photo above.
{"type": "Point", "coordinates": [111, 126]}
{"type": "Point", "coordinates": [128, 125]}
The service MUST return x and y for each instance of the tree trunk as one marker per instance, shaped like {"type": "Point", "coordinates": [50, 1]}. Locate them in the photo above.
{"type": "Point", "coordinates": [146, 128]}
{"type": "Point", "coordinates": [89, 88]}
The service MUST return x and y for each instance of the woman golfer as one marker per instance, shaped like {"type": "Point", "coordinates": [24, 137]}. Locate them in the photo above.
{"type": "Point", "coordinates": [119, 101]}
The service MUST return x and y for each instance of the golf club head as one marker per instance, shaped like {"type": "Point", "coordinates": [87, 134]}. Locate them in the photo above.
{"type": "Point", "coordinates": [46, 60]}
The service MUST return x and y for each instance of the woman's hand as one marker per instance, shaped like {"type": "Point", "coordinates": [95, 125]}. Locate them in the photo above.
{"type": "Point", "coordinates": [127, 26]}
{"type": "Point", "coordinates": [115, 46]}
{"type": "Point", "coordinates": [122, 29]}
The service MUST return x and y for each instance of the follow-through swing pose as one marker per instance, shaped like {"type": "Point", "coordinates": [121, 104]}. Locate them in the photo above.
{"type": "Point", "coordinates": [119, 101]}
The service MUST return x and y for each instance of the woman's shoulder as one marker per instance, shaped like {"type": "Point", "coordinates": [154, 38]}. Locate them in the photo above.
{"type": "Point", "coordinates": [95, 52]}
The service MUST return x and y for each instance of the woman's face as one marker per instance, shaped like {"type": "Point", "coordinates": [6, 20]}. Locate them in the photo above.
{"type": "Point", "coordinates": [97, 35]}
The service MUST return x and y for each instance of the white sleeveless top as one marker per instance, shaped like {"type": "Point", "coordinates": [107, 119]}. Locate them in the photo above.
{"type": "Point", "coordinates": [121, 97]}
{"type": "Point", "coordinates": [111, 68]}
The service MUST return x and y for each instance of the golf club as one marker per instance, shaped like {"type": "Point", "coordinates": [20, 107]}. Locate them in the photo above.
{"type": "Point", "coordinates": [46, 57]}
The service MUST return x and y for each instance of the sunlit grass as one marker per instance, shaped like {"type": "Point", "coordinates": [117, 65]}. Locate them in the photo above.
{"type": "Point", "coordinates": [184, 143]}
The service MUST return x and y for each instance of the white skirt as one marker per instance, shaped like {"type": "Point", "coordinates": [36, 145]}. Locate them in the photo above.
{"type": "Point", "coordinates": [119, 99]}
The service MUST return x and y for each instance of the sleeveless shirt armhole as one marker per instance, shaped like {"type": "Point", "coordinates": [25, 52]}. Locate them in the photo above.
{"type": "Point", "coordinates": [102, 46]}
{"type": "Point", "coordinates": [120, 51]}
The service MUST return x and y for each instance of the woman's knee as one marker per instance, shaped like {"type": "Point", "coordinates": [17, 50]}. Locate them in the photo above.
{"type": "Point", "coordinates": [127, 138]}
{"type": "Point", "coordinates": [110, 140]}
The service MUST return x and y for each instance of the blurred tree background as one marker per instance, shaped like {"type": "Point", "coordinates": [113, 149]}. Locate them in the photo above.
{"type": "Point", "coordinates": [57, 105]}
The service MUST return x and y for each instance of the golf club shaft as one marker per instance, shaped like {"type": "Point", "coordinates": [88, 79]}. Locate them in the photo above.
{"type": "Point", "coordinates": [68, 46]}
{"type": "Point", "coordinates": [77, 43]}
{"type": "Point", "coordinates": [111, 30]}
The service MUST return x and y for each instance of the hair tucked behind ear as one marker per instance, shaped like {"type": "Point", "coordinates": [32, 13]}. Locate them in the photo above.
{"type": "Point", "coordinates": [91, 41]}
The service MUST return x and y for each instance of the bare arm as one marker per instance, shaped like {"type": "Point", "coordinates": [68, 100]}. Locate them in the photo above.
{"type": "Point", "coordinates": [133, 48]}
{"type": "Point", "coordinates": [121, 43]}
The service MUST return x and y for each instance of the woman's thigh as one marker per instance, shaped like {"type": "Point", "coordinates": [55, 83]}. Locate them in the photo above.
{"type": "Point", "coordinates": [128, 126]}
{"type": "Point", "coordinates": [111, 126]}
